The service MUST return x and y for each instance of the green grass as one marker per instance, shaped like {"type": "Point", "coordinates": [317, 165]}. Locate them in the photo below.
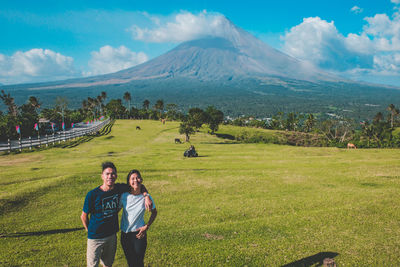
{"type": "Point", "coordinates": [235, 205]}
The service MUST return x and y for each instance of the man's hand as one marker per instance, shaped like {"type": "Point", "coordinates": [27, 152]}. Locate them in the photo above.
{"type": "Point", "coordinates": [147, 202]}
{"type": "Point", "coordinates": [142, 232]}
{"type": "Point", "coordinates": [85, 220]}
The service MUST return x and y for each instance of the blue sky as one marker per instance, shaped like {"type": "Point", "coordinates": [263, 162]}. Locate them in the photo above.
{"type": "Point", "coordinates": [52, 40]}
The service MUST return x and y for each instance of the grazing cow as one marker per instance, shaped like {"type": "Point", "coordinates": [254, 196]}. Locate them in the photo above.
{"type": "Point", "coordinates": [138, 128]}
{"type": "Point", "coordinates": [178, 141]}
{"type": "Point", "coordinates": [350, 145]}
{"type": "Point", "coordinates": [328, 262]}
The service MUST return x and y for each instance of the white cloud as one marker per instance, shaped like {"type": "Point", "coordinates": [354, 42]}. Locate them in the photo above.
{"type": "Point", "coordinates": [35, 65]}
{"type": "Point", "coordinates": [387, 64]}
{"type": "Point", "coordinates": [357, 9]}
{"type": "Point", "coordinates": [395, 1]}
{"type": "Point", "coordinates": [181, 27]}
{"type": "Point", "coordinates": [384, 31]}
{"type": "Point", "coordinates": [109, 59]}
{"type": "Point", "coordinates": [374, 51]}
{"type": "Point", "coordinates": [319, 42]}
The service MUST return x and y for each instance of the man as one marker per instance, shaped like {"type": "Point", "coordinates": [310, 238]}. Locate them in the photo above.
{"type": "Point", "coordinates": [102, 205]}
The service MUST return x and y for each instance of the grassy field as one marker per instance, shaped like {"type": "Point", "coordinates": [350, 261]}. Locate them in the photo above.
{"type": "Point", "coordinates": [235, 205]}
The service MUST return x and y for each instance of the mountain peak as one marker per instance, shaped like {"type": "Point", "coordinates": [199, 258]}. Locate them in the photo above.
{"type": "Point", "coordinates": [227, 53]}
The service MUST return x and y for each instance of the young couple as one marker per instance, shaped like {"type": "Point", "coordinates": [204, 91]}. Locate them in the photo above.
{"type": "Point", "coordinates": [103, 204]}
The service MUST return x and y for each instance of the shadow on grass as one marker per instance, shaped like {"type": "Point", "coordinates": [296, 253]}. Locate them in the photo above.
{"type": "Point", "coordinates": [312, 260]}
{"type": "Point", "coordinates": [104, 131]}
{"type": "Point", "coordinates": [20, 201]}
{"type": "Point", "coordinates": [49, 232]}
{"type": "Point", "coordinates": [225, 136]}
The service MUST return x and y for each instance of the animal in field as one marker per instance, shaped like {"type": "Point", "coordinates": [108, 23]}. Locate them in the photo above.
{"type": "Point", "coordinates": [178, 141]}
{"type": "Point", "coordinates": [350, 145]}
{"type": "Point", "coordinates": [163, 121]}
{"type": "Point", "coordinates": [328, 262]}
{"type": "Point", "coordinates": [138, 128]}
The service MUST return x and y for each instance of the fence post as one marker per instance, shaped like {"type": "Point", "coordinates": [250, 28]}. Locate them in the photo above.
{"type": "Point", "coordinates": [9, 146]}
{"type": "Point", "coordinates": [40, 143]}
{"type": "Point", "coordinates": [59, 137]}
{"type": "Point", "coordinates": [54, 139]}
{"type": "Point", "coordinates": [30, 143]}
{"type": "Point", "coordinates": [47, 141]}
{"type": "Point", "coordinates": [20, 144]}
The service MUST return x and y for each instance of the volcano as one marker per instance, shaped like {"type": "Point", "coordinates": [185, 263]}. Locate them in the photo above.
{"type": "Point", "coordinates": [232, 70]}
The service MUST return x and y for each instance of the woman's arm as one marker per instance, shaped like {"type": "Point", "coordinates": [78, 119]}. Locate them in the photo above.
{"type": "Point", "coordinates": [142, 230]}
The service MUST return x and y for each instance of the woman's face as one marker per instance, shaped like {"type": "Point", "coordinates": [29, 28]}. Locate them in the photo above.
{"type": "Point", "coordinates": [134, 180]}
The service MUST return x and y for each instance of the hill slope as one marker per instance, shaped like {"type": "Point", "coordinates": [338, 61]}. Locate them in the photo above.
{"type": "Point", "coordinates": [237, 204]}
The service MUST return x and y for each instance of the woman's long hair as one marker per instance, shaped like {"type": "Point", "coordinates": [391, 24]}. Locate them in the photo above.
{"type": "Point", "coordinates": [132, 172]}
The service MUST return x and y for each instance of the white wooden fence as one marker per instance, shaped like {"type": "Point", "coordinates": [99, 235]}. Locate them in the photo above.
{"type": "Point", "coordinates": [80, 129]}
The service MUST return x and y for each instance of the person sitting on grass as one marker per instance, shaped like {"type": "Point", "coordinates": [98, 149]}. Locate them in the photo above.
{"type": "Point", "coordinates": [133, 227]}
{"type": "Point", "coordinates": [102, 204]}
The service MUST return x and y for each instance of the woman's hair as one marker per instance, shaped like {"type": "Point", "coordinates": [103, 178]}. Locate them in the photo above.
{"type": "Point", "coordinates": [132, 172]}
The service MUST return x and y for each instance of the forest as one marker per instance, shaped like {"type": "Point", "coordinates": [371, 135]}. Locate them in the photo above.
{"type": "Point", "coordinates": [30, 119]}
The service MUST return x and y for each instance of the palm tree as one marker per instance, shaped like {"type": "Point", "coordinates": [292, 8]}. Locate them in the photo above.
{"type": "Point", "coordinates": [127, 98]}
{"type": "Point", "coordinates": [393, 113]}
{"type": "Point", "coordinates": [9, 102]}
{"type": "Point", "coordinates": [291, 121]}
{"type": "Point", "coordinates": [146, 104]}
{"type": "Point", "coordinates": [159, 106]}
{"type": "Point", "coordinates": [91, 103]}
{"type": "Point", "coordinates": [100, 103]}
{"type": "Point", "coordinates": [378, 117]}
{"type": "Point", "coordinates": [34, 102]}
{"type": "Point", "coordinates": [310, 122]}
{"type": "Point", "coordinates": [103, 95]}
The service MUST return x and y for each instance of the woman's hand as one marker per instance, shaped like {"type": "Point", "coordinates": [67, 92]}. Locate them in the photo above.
{"type": "Point", "coordinates": [142, 231]}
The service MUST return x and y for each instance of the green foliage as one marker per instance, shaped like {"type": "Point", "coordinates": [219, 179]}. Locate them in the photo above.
{"type": "Point", "coordinates": [115, 109]}
{"type": "Point", "coordinates": [214, 118]}
{"type": "Point", "coordinates": [172, 111]}
{"type": "Point", "coordinates": [187, 128]}
{"type": "Point", "coordinates": [196, 118]}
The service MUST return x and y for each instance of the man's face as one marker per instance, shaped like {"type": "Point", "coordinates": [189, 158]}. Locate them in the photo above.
{"type": "Point", "coordinates": [109, 176]}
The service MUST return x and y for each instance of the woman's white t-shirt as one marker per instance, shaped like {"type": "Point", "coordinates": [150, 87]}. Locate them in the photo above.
{"type": "Point", "coordinates": [133, 212]}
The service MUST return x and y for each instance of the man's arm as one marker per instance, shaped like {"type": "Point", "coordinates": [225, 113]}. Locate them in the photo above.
{"type": "Point", "coordinates": [147, 201]}
{"type": "Point", "coordinates": [143, 189]}
{"type": "Point", "coordinates": [85, 220]}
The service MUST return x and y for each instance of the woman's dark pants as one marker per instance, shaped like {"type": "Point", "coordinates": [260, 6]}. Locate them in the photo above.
{"type": "Point", "coordinates": [134, 248]}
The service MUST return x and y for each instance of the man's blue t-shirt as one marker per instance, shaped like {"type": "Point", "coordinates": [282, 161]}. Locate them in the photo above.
{"type": "Point", "coordinates": [103, 209]}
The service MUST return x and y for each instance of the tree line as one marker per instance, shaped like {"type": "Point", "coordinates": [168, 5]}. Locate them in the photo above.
{"type": "Point", "coordinates": [26, 116]}
{"type": "Point", "coordinates": [337, 131]}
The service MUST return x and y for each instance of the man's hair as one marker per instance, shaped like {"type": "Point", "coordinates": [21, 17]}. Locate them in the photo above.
{"type": "Point", "coordinates": [108, 164]}
{"type": "Point", "coordinates": [132, 172]}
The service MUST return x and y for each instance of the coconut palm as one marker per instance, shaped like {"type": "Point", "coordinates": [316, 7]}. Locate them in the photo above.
{"type": "Point", "coordinates": [394, 112]}
{"type": "Point", "coordinates": [146, 104]}
{"type": "Point", "coordinates": [310, 122]}
{"type": "Point", "coordinates": [9, 102]}
{"type": "Point", "coordinates": [34, 102]}
{"type": "Point", "coordinates": [159, 106]}
{"type": "Point", "coordinates": [128, 98]}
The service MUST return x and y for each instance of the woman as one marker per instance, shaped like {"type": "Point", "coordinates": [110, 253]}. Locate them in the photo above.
{"type": "Point", "coordinates": [133, 228]}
